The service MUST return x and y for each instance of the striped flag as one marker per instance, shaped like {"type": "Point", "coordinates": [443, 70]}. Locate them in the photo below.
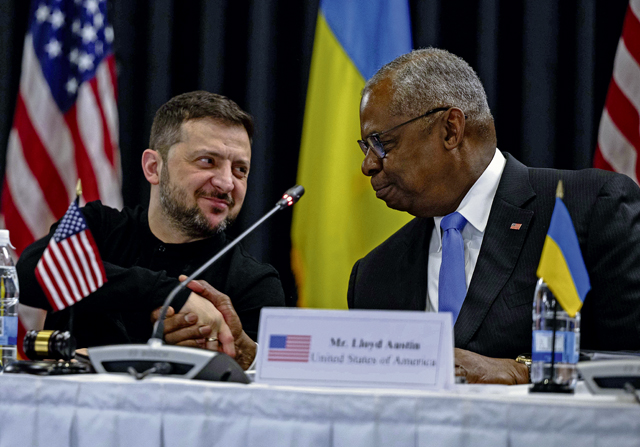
{"type": "Point", "coordinates": [289, 348]}
{"type": "Point", "coordinates": [561, 264]}
{"type": "Point", "coordinates": [70, 267]}
{"type": "Point", "coordinates": [65, 125]}
{"type": "Point", "coordinates": [341, 219]}
{"type": "Point", "coordinates": [619, 132]}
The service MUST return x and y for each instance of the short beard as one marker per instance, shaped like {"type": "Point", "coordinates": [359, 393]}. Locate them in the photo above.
{"type": "Point", "coordinates": [189, 221]}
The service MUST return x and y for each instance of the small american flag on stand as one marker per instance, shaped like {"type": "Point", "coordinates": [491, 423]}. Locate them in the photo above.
{"type": "Point", "coordinates": [70, 267]}
{"type": "Point", "coordinates": [289, 348]}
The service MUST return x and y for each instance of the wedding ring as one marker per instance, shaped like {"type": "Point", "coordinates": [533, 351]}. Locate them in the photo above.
{"type": "Point", "coordinates": [212, 339]}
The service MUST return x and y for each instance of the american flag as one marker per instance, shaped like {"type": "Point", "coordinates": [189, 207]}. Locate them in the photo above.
{"type": "Point", "coordinates": [619, 132]}
{"type": "Point", "coordinates": [70, 267]}
{"type": "Point", "coordinates": [289, 348]}
{"type": "Point", "coordinates": [66, 122]}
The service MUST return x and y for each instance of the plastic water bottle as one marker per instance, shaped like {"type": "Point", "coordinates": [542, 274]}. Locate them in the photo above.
{"type": "Point", "coordinates": [560, 375]}
{"type": "Point", "coordinates": [9, 293]}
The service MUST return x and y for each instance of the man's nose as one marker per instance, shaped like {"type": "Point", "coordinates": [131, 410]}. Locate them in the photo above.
{"type": "Point", "coordinates": [222, 178]}
{"type": "Point", "coordinates": [371, 164]}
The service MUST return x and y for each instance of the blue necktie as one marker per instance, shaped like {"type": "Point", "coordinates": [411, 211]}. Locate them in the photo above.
{"type": "Point", "coordinates": [452, 285]}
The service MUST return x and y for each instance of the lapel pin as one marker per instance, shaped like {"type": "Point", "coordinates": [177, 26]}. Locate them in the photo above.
{"type": "Point", "coordinates": [515, 226]}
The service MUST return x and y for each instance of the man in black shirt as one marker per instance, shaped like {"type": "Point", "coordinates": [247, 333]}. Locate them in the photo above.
{"type": "Point", "coordinates": [197, 165]}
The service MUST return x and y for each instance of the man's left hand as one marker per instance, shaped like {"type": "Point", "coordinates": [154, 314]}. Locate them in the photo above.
{"type": "Point", "coordinates": [181, 329]}
{"type": "Point", "coordinates": [480, 369]}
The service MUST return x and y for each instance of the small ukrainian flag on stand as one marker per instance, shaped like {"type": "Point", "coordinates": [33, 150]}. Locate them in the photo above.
{"type": "Point", "coordinates": [564, 274]}
{"type": "Point", "coordinates": [561, 264]}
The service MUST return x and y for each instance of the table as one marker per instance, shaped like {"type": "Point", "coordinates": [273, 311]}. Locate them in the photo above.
{"type": "Point", "coordinates": [106, 410]}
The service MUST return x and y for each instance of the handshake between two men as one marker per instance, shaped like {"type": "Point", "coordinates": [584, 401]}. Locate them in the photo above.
{"type": "Point", "coordinates": [429, 150]}
{"type": "Point", "coordinates": [208, 320]}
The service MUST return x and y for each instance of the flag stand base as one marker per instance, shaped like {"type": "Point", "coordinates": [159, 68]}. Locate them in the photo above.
{"type": "Point", "coordinates": [547, 386]}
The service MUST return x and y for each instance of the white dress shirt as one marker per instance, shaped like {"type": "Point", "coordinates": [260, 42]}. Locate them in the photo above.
{"type": "Point", "coordinates": [475, 207]}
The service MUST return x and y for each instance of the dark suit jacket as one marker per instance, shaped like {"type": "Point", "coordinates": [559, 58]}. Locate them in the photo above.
{"type": "Point", "coordinates": [496, 317]}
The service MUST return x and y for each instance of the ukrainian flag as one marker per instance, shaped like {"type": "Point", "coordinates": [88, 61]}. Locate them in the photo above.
{"type": "Point", "coordinates": [340, 220]}
{"type": "Point", "coordinates": [561, 264]}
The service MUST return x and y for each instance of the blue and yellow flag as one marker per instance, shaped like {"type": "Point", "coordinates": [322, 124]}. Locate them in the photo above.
{"type": "Point", "coordinates": [561, 264]}
{"type": "Point", "coordinates": [340, 220]}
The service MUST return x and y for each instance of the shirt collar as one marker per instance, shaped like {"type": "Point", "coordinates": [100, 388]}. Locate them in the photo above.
{"type": "Point", "coordinates": [476, 204]}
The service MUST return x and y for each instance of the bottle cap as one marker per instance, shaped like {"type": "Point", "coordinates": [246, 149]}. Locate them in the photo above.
{"type": "Point", "coordinates": [4, 238]}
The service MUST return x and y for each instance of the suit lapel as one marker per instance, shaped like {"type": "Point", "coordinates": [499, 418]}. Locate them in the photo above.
{"type": "Point", "coordinates": [500, 249]}
{"type": "Point", "coordinates": [411, 270]}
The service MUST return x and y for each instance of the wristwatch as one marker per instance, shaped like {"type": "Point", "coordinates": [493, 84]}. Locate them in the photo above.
{"type": "Point", "coordinates": [525, 359]}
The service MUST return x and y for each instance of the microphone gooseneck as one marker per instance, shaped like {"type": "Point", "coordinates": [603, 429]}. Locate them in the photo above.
{"type": "Point", "coordinates": [291, 196]}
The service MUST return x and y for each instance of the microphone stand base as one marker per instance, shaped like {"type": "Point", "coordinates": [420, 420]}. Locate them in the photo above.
{"type": "Point", "coordinates": [173, 361]}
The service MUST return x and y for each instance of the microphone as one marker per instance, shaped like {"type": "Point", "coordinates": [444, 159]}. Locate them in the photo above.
{"type": "Point", "coordinates": [290, 196]}
{"type": "Point", "coordinates": [156, 357]}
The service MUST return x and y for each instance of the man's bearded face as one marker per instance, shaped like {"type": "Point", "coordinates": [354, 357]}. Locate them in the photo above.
{"type": "Point", "coordinates": [189, 219]}
{"type": "Point", "coordinates": [203, 180]}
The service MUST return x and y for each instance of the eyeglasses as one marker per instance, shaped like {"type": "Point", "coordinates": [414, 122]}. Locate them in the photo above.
{"type": "Point", "coordinates": [373, 141]}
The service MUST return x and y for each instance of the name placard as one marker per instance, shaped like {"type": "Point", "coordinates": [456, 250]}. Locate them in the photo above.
{"type": "Point", "coordinates": [364, 348]}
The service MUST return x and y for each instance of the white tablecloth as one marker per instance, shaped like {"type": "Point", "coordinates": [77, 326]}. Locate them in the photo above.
{"type": "Point", "coordinates": [118, 411]}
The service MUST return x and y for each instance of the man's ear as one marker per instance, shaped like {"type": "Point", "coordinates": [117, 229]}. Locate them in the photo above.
{"type": "Point", "coordinates": [454, 128]}
{"type": "Point", "coordinates": [151, 166]}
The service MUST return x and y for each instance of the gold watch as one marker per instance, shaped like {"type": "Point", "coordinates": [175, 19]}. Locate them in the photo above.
{"type": "Point", "coordinates": [525, 359]}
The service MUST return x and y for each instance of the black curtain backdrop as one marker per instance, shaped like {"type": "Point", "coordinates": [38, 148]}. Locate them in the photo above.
{"type": "Point", "coordinates": [545, 64]}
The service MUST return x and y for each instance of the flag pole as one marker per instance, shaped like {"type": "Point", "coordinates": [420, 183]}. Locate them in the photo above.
{"type": "Point", "coordinates": [78, 191]}
{"type": "Point", "coordinates": [559, 195]}
{"type": "Point", "coordinates": [77, 200]}
{"type": "Point", "coordinates": [548, 384]}
{"type": "Point", "coordinates": [553, 340]}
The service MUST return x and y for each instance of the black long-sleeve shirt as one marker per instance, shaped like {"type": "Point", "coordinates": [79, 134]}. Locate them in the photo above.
{"type": "Point", "coordinates": [141, 271]}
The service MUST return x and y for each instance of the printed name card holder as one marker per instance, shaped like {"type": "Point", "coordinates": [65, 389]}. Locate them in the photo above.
{"type": "Point", "coordinates": [366, 348]}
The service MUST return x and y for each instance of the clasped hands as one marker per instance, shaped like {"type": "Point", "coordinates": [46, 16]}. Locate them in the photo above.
{"type": "Point", "coordinates": [206, 316]}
